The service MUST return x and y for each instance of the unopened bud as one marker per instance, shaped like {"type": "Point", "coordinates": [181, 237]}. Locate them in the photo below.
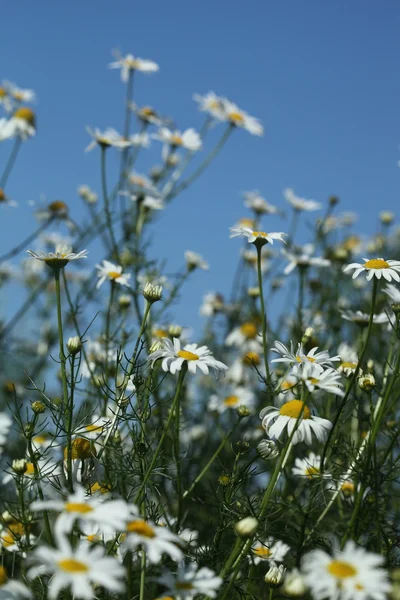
{"type": "Point", "coordinates": [309, 332]}
{"type": "Point", "coordinates": [152, 293]}
{"type": "Point", "coordinates": [246, 527]}
{"type": "Point", "coordinates": [333, 200]}
{"type": "Point", "coordinates": [74, 345]}
{"type": "Point", "coordinates": [386, 217]}
{"type": "Point", "coordinates": [29, 429]}
{"type": "Point", "coordinates": [294, 585]}
{"type": "Point", "coordinates": [19, 465]}
{"type": "Point", "coordinates": [124, 301]}
{"type": "Point", "coordinates": [38, 407]}
{"type": "Point", "coordinates": [175, 331]}
{"type": "Point", "coordinates": [275, 576]}
{"type": "Point", "coordinates": [242, 446]}
{"type": "Point", "coordinates": [253, 292]}
{"type": "Point", "coordinates": [366, 382]}
{"type": "Point", "coordinates": [267, 449]}
{"type": "Point", "coordinates": [156, 346]}
{"type": "Point", "coordinates": [396, 308]}
{"type": "Point", "coordinates": [242, 411]}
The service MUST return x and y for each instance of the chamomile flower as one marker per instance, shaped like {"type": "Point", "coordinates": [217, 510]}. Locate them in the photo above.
{"type": "Point", "coordinates": [195, 261]}
{"type": "Point", "coordinates": [304, 259]}
{"type": "Point", "coordinates": [13, 536]}
{"type": "Point", "coordinates": [193, 355]}
{"type": "Point", "coordinates": [300, 203]}
{"type": "Point", "coordinates": [19, 94]}
{"type": "Point", "coordinates": [130, 63]}
{"type": "Point", "coordinates": [269, 549]}
{"type": "Point", "coordinates": [154, 539]}
{"type": "Point", "coordinates": [188, 139]}
{"type": "Point", "coordinates": [376, 267]}
{"type": "Point", "coordinates": [348, 358]}
{"type": "Point", "coordinates": [147, 114]}
{"type": "Point", "coordinates": [309, 467]}
{"type": "Point", "coordinates": [113, 273]}
{"type": "Point", "coordinates": [241, 119]}
{"type": "Point", "coordinates": [236, 396]}
{"type": "Point", "coordinates": [109, 515]}
{"type": "Point", "coordinates": [211, 104]}
{"type": "Point", "coordinates": [362, 319]}
{"type": "Point", "coordinates": [213, 303]}
{"type": "Point", "coordinates": [275, 420]}
{"type": "Point", "coordinates": [242, 334]}
{"type": "Point", "coordinates": [257, 236]}
{"type": "Point", "coordinates": [320, 359]}
{"type": "Point", "coordinates": [105, 139]}
{"type": "Point", "coordinates": [141, 140]}
{"type": "Point", "coordinates": [314, 378]}
{"type": "Point", "coordinates": [58, 259]}
{"type": "Point", "coordinates": [255, 202]}
{"type": "Point", "coordinates": [350, 574]}
{"type": "Point", "coordinates": [22, 124]}
{"type": "Point", "coordinates": [190, 581]}
{"type": "Point", "coordinates": [392, 292]}
{"type": "Point", "coordinates": [77, 569]}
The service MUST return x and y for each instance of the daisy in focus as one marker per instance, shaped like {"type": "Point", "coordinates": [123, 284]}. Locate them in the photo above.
{"type": "Point", "coordinates": [318, 359]}
{"type": "Point", "coordinates": [376, 267]}
{"type": "Point", "coordinates": [77, 569]}
{"type": "Point", "coordinates": [113, 273]}
{"type": "Point", "coordinates": [350, 574]}
{"type": "Point", "coordinates": [58, 259]}
{"type": "Point", "coordinates": [328, 380]}
{"type": "Point", "coordinates": [270, 549]}
{"type": "Point", "coordinates": [190, 581]}
{"type": "Point", "coordinates": [257, 236]}
{"type": "Point", "coordinates": [195, 357]}
{"type": "Point", "coordinates": [275, 420]}
{"type": "Point", "coordinates": [130, 63]}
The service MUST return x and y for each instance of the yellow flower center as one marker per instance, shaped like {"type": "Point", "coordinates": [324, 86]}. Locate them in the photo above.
{"type": "Point", "coordinates": [376, 263]}
{"type": "Point", "coordinates": [18, 96]}
{"type": "Point", "coordinates": [3, 575]}
{"type": "Point", "coordinates": [347, 488]}
{"type": "Point", "coordinates": [16, 528]}
{"type": "Point", "coordinates": [81, 449]}
{"type": "Point", "coordinates": [92, 537]}
{"type": "Point", "coordinates": [293, 409]}
{"type": "Point", "coordinates": [147, 111]}
{"type": "Point", "coordinates": [176, 140]}
{"type": "Point", "coordinates": [2, 195]}
{"type": "Point", "coordinates": [160, 333]}
{"type": "Point", "coordinates": [251, 358]}
{"type": "Point", "coordinates": [113, 275]}
{"type": "Point", "coordinates": [313, 380]}
{"type": "Point", "coordinates": [262, 551]}
{"type": "Point", "coordinates": [57, 206]}
{"type": "Point", "coordinates": [188, 355]}
{"type": "Point", "coordinates": [141, 528]}
{"type": "Point", "coordinates": [26, 114]}
{"type": "Point", "coordinates": [94, 428]}
{"type": "Point", "coordinates": [249, 330]}
{"type": "Point", "coordinates": [79, 507]}
{"type": "Point", "coordinates": [341, 569]}
{"type": "Point", "coordinates": [7, 539]}
{"type": "Point", "coordinates": [261, 234]}
{"type": "Point", "coordinates": [70, 565]}
{"type": "Point", "coordinates": [30, 469]}
{"type": "Point", "coordinates": [348, 365]}
{"type": "Point", "coordinates": [286, 385]}
{"type": "Point", "coordinates": [231, 401]}
{"type": "Point", "coordinates": [311, 472]}
{"type": "Point", "coordinates": [98, 487]}
{"type": "Point", "coordinates": [3, 92]}
{"type": "Point", "coordinates": [236, 118]}
{"type": "Point", "coordinates": [246, 223]}
{"type": "Point", "coordinates": [184, 585]}
{"type": "Point", "coordinates": [39, 439]}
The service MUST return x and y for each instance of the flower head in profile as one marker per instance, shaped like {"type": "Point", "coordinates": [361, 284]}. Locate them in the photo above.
{"type": "Point", "coordinates": [19, 94]}
{"type": "Point", "coordinates": [299, 203]}
{"type": "Point", "coordinates": [257, 237]}
{"type": "Point", "coordinates": [105, 139]}
{"type": "Point", "coordinates": [275, 420]}
{"type": "Point", "coordinates": [195, 261]}
{"type": "Point", "coordinates": [392, 292]}
{"type": "Point", "coordinates": [194, 356]}
{"type": "Point", "coordinates": [129, 63]}
{"type": "Point", "coordinates": [58, 259]}
{"type": "Point", "coordinates": [309, 467]}
{"type": "Point", "coordinates": [241, 119]}
{"type": "Point", "coordinates": [154, 539]}
{"type": "Point", "coordinates": [362, 319]}
{"type": "Point", "coordinates": [304, 259]}
{"type": "Point", "coordinates": [188, 139]}
{"type": "Point", "coordinates": [113, 273]}
{"type": "Point", "coordinates": [211, 104]}
{"type": "Point", "coordinates": [255, 202]}
{"type": "Point", "coordinates": [190, 581]}
{"type": "Point", "coordinates": [5, 200]}
{"type": "Point", "coordinates": [77, 569]}
{"type": "Point", "coordinates": [288, 356]}
{"type": "Point", "coordinates": [349, 573]}
{"type": "Point", "coordinates": [376, 267]}
{"type": "Point", "coordinates": [22, 124]}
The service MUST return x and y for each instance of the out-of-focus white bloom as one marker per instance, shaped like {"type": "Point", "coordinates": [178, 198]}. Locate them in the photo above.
{"type": "Point", "coordinates": [253, 236]}
{"type": "Point", "coordinates": [246, 527]}
{"type": "Point", "coordinates": [240, 396]}
{"type": "Point", "coordinates": [19, 94]}
{"type": "Point", "coordinates": [294, 585]}
{"type": "Point", "coordinates": [106, 138]}
{"type": "Point", "coordinates": [195, 357]}
{"type": "Point", "coordinates": [363, 318]}
{"type": "Point", "coordinates": [255, 202]}
{"type": "Point", "coordinates": [11, 589]}
{"type": "Point", "coordinates": [140, 139]}
{"type": "Point", "coordinates": [154, 539]}
{"type": "Point", "coordinates": [239, 118]}
{"type": "Point", "coordinates": [147, 114]}
{"type": "Point", "coordinates": [77, 569]}
{"type": "Point", "coordinates": [22, 124]}
{"type": "Point", "coordinates": [304, 259]}
{"type": "Point", "coordinates": [212, 303]}
{"type": "Point", "coordinates": [275, 420]}
{"type": "Point", "coordinates": [242, 334]}
{"type": "Point", "coordinates": [211, 104]}
{"type": "Point", "coordinates": [113, 273]}
{"type": "Point", "coordinates": [299, 203]}
{"type": "Point", "coordinates": [269, 549]}
{"type": "Point", "coordinates": [195, 261]}
{"type": "Point", "coordinates": [376, 267]}
{"type": "Point", "coordinates": [392, 292]}
{"type": "Point", "coordinates": [351, 573]}
{"type": "Point", "coordinates": [87, 194]}
{"type": "Point", "coordinates": [188, 139]}
{"type": "Point", "coordinates": [5, 426]}
{"type": "Point", "coordinates": [309, 467]}
{"type": "Point", "coordinates": [190, 581]}
{"type": "Point", "coordinates": [129, 63]}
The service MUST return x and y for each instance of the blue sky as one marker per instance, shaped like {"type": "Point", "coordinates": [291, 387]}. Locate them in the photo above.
{"type": "Point", "coordinates": [322, 76]}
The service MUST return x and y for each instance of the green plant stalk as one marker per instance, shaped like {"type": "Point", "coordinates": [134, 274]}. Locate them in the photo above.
{"type": "Point", "coordinates": [64, 405]}
{"type": "Point", "coordinates": [39, 488]}
{"type": "Point", "coordinates": [10, 163]}
{"type": "Point", "coordinates": [107, 211]}
{"type": "Point", "coordinates": [263, 312]}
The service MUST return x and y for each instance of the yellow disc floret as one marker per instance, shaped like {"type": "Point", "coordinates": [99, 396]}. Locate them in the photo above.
{"type": "Point", "coordinates": [80, 449]}
{"type": "Point", "coordinates": [3, 575]}
{"type": "Point", "coordinates": [249, 330]}
{"type": "Point", "coordinates": [341, 569]}
{"type": "Point", "coordinates": [293, 410]}
{"type": "Point", "coordinates": [70, 565]}
{"type": "Point", "coordinates": [142, 528]}
{"type": "Point", "coordinates": [376, 263]}
{"type": "Point", "coordinates": [188, 355]}
{"type": "Point", "coordinates": [26, 114]}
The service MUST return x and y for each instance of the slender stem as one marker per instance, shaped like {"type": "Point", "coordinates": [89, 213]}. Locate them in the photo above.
{"type": "Point", "coordinates": [70, 413]}
{"type": "Point", "coordinates": [142, 575]}
{"type": "Point", "coordinates": [39, 489]}
{"type": "Point", "coordinates": [63, 359]}
{"type": "Point", "coordinates": [107, 203]}
{"type": "Point", "coordinates": [263, 312]}
{"type": "Point", "coordinates": [10, 163]}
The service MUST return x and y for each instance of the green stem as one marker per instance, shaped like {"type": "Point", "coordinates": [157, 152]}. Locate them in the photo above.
{"type": "Point", "coordinates": [107, 203]}
{"type": "Point", "coordinates": [64, 405]}
{"type": "Point", "coordinates": [10, 163]}
{"type": "Point", "coordinates": [263, 312]}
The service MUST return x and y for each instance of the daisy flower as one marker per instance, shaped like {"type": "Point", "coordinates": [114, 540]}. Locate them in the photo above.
{"type": "Point", "coordinates": [190, 581]}
{"type": "Point", "coordinates": [304, 259]}
{"type": "Point", "coordinates": [350, 574]}
{"type": "Point", "coordinates": [392, 292]}
{"type": "Point", "coordinates": [212, 303]}
{"type": "Point", "coordinates": [320, 359]}
{"type": "Point", "coordinates": [113, 273]}
{"type": "Point", "coordinates": [108, 137]}
{"type": "Point", "coordinates": [269, 549]}
{"type": "Point", "coordinates": [154, 539]}
{"type": "Point", "coordinates": [195, 261]}
{"type": "Point", "coordinates": [211, 104]}
{"type": "Point", "coordinates": [255, 202]}
{"type": "Point", "coordinates": [300, 203]}
{"type": "Point", "coordinates": [77, 569]}
{"type": "Point", "coordinates": [108, 515]}
{"type": "Point", "coordinates": [12, 589]}
{"type": "Point", "coordinates": [376, 267]}
{"type": "Point", "coordinates": [275, 420]}
{"type": "Point", "coordinates": [22, 124]}
{"type": "Point", "coordinates": [314, 378]}
{"type": "Point", "coordinates": [242, 334]}
{"type": "Point", "coordinates": [239, 396]}
{"type": "Point", "coordinates": [188, 139]}
{"type": "Point", "coordinates": [259, 236]}
{"type": "Point", "coordinates": [58, 259]}
{"type": "Point", "coordinates": [309, 467]}
{"type": "Point", "coordinates": [239, 118]}
{"type": "Point", "coordinates": [363, 318]}
{"type": "Point", "coordinates": [147, 114]}
{"type": "Point", "coordinates": [348, 358]}
{"type": "Point", "coordinates": [130, 63]}
{"type": "Point", "coordinates": [19, 94]}
{"type": "Point", "coordinates": [195, 357]}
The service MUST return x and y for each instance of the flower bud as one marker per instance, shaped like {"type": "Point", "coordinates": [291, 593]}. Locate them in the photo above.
{"type": "Point", "coordinates": [366, 382]}
{"type": "Point", "coordinates": [267, 449]}
{"type": "Point", "coordinates": [242, 411]}
{"type": "Point", "coordinates": [333, 200]}
{"type": "Point", "coordinates": [38, 407]}
{"type": "Point", "coordinates": [124, 301]}
{"type": "Point", "coordinates": [253, 292]}
{"type": "Point", "coordinates": [242, 446]}
{"type": "Point", "coordinates": [386, 217]}
{"type": "Point", "coordinates": [175, 331]}
{"type": "Point", "coordinates": [275, 576]}
{"type": "Point", "coordinates": [152, 293]}
{"type": "Point", "coordinates": [246, 527]}
{"type": "Point", "coordinates": [309, 332]}
{"type": "Point", "coordinates": [294, 585]}
{"type": "Point", "coordinates": [224, 480]}
{"type": "Point", "coordinates": [74, 345]}
{"type": "Point", "coordinates": [19, 465]}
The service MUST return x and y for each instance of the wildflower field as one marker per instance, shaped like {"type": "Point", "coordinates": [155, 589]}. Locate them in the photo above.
{"type": "Point", "coordinates": [141, 459]}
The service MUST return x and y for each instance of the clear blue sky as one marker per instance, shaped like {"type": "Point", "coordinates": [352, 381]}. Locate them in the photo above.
{"type": "Point", "coordinates": [322, 76]}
